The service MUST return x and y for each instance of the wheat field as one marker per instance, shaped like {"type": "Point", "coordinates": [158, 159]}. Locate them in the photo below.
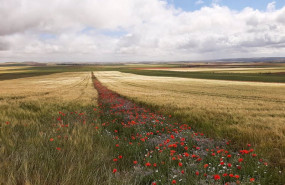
{"type": "Point", "coordinates": [244, 112]}
{"type": "Point", "coordinates": [47, 131]}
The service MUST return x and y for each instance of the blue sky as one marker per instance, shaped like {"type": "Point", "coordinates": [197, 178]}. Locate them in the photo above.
{"type": "Point", "coordinates": [191, 5]}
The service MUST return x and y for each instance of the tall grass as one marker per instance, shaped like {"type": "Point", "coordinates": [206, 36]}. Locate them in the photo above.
{"type": "Point", "coordinates": [50, 132]}
{"type": "Point", "coordinates": [244, 112]}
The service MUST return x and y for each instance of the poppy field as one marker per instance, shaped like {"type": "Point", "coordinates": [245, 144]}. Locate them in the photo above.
{"type": "Point", "coordinates": [100, 128]}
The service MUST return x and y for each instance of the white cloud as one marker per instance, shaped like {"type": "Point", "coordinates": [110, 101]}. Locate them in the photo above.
{"type": "Point", "coordinates": [199, 2]}
{"type": "Point", "coordinates": [128, 30]}
{"type": "Point", "coordinates": [271, 6]}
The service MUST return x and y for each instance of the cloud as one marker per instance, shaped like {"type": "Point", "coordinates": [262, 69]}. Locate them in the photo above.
{"type": "Point", "coordinates": [199, 2]}
{"type": "Point", "coordinates": [135, 30]}
{"type": "Point", "coordinates": [271, 6]}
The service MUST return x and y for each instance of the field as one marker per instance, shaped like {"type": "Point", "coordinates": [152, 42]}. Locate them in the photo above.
{"type": "Point", "coordinates": [126, 124]}
{"type": "Point", "coordinates": [47, 131]}
{"type": "Point", "coordinates": [246, 112]}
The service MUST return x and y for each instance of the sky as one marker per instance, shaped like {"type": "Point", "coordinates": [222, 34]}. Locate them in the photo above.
{"type": "Point", "coordinates": [140, 30]}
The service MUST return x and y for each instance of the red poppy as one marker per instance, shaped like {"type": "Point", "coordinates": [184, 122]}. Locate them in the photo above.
{"type": "Point", "coordinates": [173, 181]}
{"type": "Point", "coordinates": [217, 177]}
{"type": "Point", "coordinates": [148, 164]}
{"type": "Point", "coordinates": [115, 170]}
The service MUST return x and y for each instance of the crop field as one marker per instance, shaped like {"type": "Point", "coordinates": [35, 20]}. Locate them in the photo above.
{"type": "Point", "coordinates": [223, 70]}
{"type": "Point", "coordinates": [48, 133]}
{"type": "Point", "coordinates": [259, 72]}
{"type": "Point", "coordinates": [245, 112]}
{"type": "Point", "coordinates": [66, 125]}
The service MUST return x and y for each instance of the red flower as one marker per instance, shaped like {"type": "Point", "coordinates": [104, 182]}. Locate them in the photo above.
{"type": "Point", "coordinates": [51, 139]}
{"type": "Point", "coordinates": [58, 148]}
{"type": "Point", "coordinates": [182, 171]}
{"type": "Point", "coordinates": [148, 164]}
{"type": "Point", "coordinates": [236, 176]}
{"type": "Point", "coordinates": [153, 183]}
{"type": "Point", "coordinates": [120, 157]}
{"type": "Point", "coordinates": [197, 173]}
{"type": "Point", "coordinates": [154, 164]}
{"type": "Point", "coordinates": [135, 162]}
{"type": "Point", "coordinates": [229, 165]}
{"type": "Point", "coordinates": [180, 164]}
{"type": "Point", "coordinates": [251, 179]}
{"type": "Point", "coordinates": [240, 160]}
{"type": "Point", "coordinates": [217, 177]}
{"type": "Point", "coordinates": [115, 170]}
{"type": "Point", "coordinates": [206, 165]}
{"type": "Point", "coordinates": [115, 159]}
{"type": "Point", "coordinates": [173, 181]}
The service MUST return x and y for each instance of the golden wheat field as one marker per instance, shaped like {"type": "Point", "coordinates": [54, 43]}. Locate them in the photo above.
{"type": "Point", "coordinates": [47, 133]}
{"type": "Point", "coordinates": [245, 112]}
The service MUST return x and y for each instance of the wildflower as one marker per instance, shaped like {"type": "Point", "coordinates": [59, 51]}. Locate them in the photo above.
{"type": "Point", "coordinates": [154, 164]}
{"type": "Point", "coordinates": [115, 170]}
{"type": "Point", "coordinates": [120, 157]}
{"type": "Point", "coordinates": [251, 179]}
{"type": "Point", "coordinates": [153, 183]}
{"type": "Point", "coordinates": [206, 165]}
{"type": "Point", "coordinates": [58, 148]}
{"type": "Point", "coordinates": [115, 159]}
{"type": "Point", "coordinates": [225, 174]}
{"type": "Point", "coordinates": [237, 176]}
{"type": "Point", "coordinates": [135, 162]}
{"type": "Point", "coordinates": [51, 139]}
{"type": "Point", "coordinates": [240, 160]}
{"type": "Point", "coordinates": [217, 177]}
{"type": "Point", "coordinates": [173, 181]}
{"type": "Point", "coordinates": [197, 173]}
{"type": "Point", "coordinates": [182, 171]}
{"type": "Point", "coordinates": [180, 164]}
{"type": "Point", "coordinates": [148, 164]}
{"type": "Point", "coordinates": [229, 165]}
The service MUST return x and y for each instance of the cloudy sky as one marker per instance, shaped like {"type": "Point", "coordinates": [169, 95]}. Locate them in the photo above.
{"type": "Point", "coordinates": [140, 30]}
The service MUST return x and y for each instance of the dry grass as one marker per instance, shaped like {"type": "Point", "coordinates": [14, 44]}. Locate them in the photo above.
{"type": "Point", "coordinates": [60, 89]}
{"type": "Point", "coordinates": [246, 112]}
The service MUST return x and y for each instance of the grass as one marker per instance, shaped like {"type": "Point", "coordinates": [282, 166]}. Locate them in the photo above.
{"type": "Point", "coordinates": [50, 132]}
{"type": "Point", "coordinates": [154, 148]}
{"type": "Point", "coordinates": [258, 77]}
{"type": "Point", "coordinates": [245, 112]}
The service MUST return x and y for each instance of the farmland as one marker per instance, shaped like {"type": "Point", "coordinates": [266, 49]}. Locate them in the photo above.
{"type": "Point", "coordinates": [138, 127]}
{"type": "Point", "coordinates": [47, 131]}
{"type": "Point", "coordinates": [246, 112]}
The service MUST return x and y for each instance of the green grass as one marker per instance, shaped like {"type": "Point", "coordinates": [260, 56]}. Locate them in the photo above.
{"type": "Point", "coordinates": [280, 78]}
